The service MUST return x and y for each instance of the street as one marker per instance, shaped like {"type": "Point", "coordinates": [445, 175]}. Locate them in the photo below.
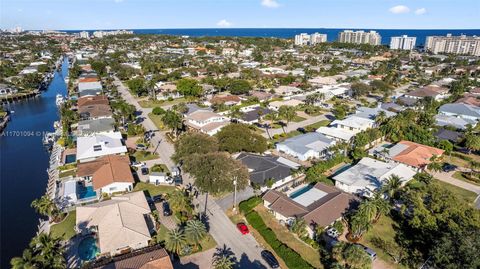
{"type": "Point", "coordinates": [224, 232]}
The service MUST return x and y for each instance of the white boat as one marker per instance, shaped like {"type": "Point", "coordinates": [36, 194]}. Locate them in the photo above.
{"type": "Point", "coordinates": [67, 79]}
{"type": "Point", "coordinates": [59, 100]}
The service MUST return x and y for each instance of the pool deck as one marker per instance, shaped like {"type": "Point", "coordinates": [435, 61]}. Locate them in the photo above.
{"type": "Point", "coordinates": [68, 152]}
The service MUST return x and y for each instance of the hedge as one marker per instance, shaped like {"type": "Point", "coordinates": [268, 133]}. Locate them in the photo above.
{"type": "Point", "coordinates": [289, 256]}
{"type": "Point", "coordinates": [248, 205]}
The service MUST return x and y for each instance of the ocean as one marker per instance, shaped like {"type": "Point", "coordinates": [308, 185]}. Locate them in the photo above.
{"type": "Point", "coordinates": [291, 32]}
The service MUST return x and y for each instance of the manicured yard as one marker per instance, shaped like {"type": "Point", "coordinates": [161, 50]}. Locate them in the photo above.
{"type": "Point", "coordinates": [152, 189]}
{"type": "Point", "coordinates": [157, 120]}
{"type": "Point", "coordinates": [154, 103]}
{"type": "Point", "coordinates": [384, 229]}
{"type": "Point", "coordinates": [461, 176]}
{"type": "Point", "coordinates": [67, 173]}
{"type": "Point", "coordinates": [141, 156]}
{"type": "Point", "coordinates": [307, 252]}
{"type": "Point", "coordinates": [468, 196]}
{"type": "Point", "coordinates": [65, 229]}
{"type": "Point", "coordinates": [206, 243]}
{"type": "Point", "coordinates": [317, 124]}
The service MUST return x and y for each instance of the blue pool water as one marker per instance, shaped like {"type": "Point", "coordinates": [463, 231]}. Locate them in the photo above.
{"type": "Point", "coordinates": [71, 158]}
{"type": "Point", "coordinates": [300, 191]}
{"type": "Point", "coordinates": [87, 249]}
{"type": "Point", "coordinates": [86, 192]}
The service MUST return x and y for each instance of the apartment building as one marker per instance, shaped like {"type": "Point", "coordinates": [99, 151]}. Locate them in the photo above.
{"type": "Point", "coordinates": [468, 45]}
{"type": "Point", "coordinates": [313, 39]}
{"type": "Point", "coordinates": [360, 37]}
{"type": "Point", "coordinates": [403, 42]}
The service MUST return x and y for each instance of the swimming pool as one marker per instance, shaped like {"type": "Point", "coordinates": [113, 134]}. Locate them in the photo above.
{"type": "Point", "coordinates": [300, 191]}
{"type": "Point", "coordinates": [87, 249]}
{"type": "Point", "coordinates": [86, 192]}
{"type": "Point", "coordinates": [70, 158]}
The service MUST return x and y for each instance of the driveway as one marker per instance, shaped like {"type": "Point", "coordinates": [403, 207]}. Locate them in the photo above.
{"type": "Point", "coordinates": [167, 221]}
{"type": "Point", "coordinates": [226, 202]}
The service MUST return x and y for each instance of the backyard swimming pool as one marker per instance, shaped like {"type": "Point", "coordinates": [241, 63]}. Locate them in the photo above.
{"type": "Point", "coordinates": [87, 249]}
{"type": "Point", "coordinates": [70, 158]}
{"type": "Point", "coordinates": [300, 191]}
{"type": "Point", "coordinates": [86, 192]}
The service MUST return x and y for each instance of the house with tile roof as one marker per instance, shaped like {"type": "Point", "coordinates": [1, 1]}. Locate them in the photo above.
{"type": "Point", "coordinates": [206, 122]}
{"type": "Point", "coordinates": [120, 224]}
{"type": "Point", "coordinates": [412, 154]}
{"type": "Point", "coordinates": [319, 205]}
{"type": "Point", "coordinates": [153, 257]}
{"type": "Point", "coordinates": [435, 92]}
{"type": "Point", "coordinates": [108, 174]}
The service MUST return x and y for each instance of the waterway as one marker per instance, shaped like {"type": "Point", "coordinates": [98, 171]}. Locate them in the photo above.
{"type": "Point", "coordinates": [23, 165]}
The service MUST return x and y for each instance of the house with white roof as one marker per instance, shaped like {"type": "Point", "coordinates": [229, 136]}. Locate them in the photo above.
{"type": "Point", "coordinates": [458, 115]}
{"type": "Point", "coordinates": [369, 175]}
{"type": "Point", "coordinates": [329, 91]}
{"type": "Point", "coordinates": [205, 121]}
{"type": "Point", "coordinates": [306, 146]}
{"type": "Point", "coordinates": [344, 130]}
{"type": "Point", "coordinates": [275, 105]}
{"type": "Point", "coordinates": [92, 147]}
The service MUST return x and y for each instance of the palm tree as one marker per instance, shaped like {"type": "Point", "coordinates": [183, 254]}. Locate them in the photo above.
{"type": "Point", "coordinates": [173, 120]}
{"type": "Point", "coordinates": [381, 204]}
{"type": "Point", "coordinates": [49, 250]}
{"type": "Point", "coordinates": [27, 261]}
{"type": "Point", "coordinates": [298, 226]}
{"type": "Point", "coordinates": [223, 258]}
{"type": "Point", "coordinates": [434, 164]}
{"type": "Point", "coordinates": [358, 224]}
{"type": "Point", "coordinates": [178, 201]}
{"type": "Point", "coordinates": [392, 186]}
{"type": "Point", "coordinates": [175, 241]}
{"type": "Point", "coordinates": [235, 113]}
{"type": "Point", "coordinates": [195, 231]}
{"type": "Point", "coordinates": [45, 206]}
{"type": "Point", "coordinates": [288, 113]}
{"type": "Point", "coordinates": [368, 209]}
{"type": "Point", "coordinates": [355, 257]}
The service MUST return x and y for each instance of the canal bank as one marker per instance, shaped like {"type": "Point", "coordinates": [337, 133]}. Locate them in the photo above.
{"type": "Point", "coordinates": [23, 165]}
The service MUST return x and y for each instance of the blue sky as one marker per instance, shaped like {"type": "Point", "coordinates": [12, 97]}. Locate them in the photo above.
{"type": "Point", "coordinates": [137, 14]}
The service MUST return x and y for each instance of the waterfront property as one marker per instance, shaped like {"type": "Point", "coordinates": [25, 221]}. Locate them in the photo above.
{"type": "Point", "coordinates": [153, 257]}
{"type": "Point", "coordinates": [319, 205]}
{"type": "Point", "coordinates": [119, 225]}
{"type": "Point", "coordinates": [91, 147]}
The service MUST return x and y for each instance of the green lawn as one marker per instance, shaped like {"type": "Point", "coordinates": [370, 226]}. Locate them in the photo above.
{"type": "Point", "coordinates": [65, 229]}
{"type": "Point", "coordinates": [467, 195]}
{"type": "Point", "coordinates": [153, 190]}
{"type": "Point", "coordinates": [384, 229]}
{"type": "Point", "coordinates": [67, 173]}
{"type": "Point", "coordinates": [159, 167]}
{"type": "Point", "coordinates": [461, 176]}
{"type": "Point", "coordinates": [141, 156]}
{"type": "Point", "coordinates": [317, 124]}
{"type": "Point", "coordinates": [157, 120]}
{"type": "Point", "coordinates": [155, 103]}
{"type": "Point", "coordinates": [307, 252]}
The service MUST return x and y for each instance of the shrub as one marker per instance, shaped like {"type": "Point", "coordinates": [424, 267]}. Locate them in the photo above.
{"type": "Point", "coordinates": [289, 256]}
{"type": "Point", "coordinates": [158, 111]}
{"type": "Point", "coordinates": [338, 225]}
{"type": "Point", "coordinates": [248, 205]}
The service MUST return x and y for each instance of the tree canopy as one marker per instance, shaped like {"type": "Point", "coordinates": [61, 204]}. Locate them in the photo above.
{"type": "Point", "coordinates": [239, 137]}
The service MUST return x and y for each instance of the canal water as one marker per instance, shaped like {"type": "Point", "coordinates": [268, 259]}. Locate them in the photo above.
{"type": "Point", "coordinates": [23, 165]}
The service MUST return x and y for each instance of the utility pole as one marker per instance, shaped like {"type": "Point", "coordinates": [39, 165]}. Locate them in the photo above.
{"type": "Point", "coordinates": [235, 194]}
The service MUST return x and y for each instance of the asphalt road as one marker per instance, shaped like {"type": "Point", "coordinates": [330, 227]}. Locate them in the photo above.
{"type": "Point", "coordinates": [245, 247]}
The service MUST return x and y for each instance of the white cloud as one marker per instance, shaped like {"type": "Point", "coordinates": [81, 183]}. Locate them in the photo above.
{"type": "Point", "coordinates": [399, 9]}
{"type": "Point", "coordinates": [421, 11]}
{"type": "Point", "coordinates": [224, 23]}
{"type": "Point", "coordinates": [118, 1]}
{"type": "Point", "coordinates": [270, 3]}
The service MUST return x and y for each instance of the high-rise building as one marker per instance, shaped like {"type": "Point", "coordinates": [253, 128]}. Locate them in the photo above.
{"type": "Point", "coordinates": [84, 34]}
{"type": "Point", "coordinates": [468, 45]}
{"type": "Point", "coordinates": [403, 42]}
{"type": "Point", "coordinates": [360, 37]}
{"type": "Point", "coordinates": [313, 39]}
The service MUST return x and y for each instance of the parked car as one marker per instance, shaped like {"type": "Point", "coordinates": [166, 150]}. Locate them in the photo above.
{"type": "Point", "coordinates": [370, 252]}
{"type": "Point", "coordinates": [157, 198]}
{"type": "Point", "coordinates": [138, 164]}
{"type": "Point", "coordinates": [302, 130]}
{"type": "Point", "coordinates": [242, 228]}
{"type": "Point", "coordinates": [270, 259]}
{"type": "Point", "coordinates": [150, 201]}
{"type": "Point", "coordinates": [141, 147]}
{"type": "Point", "coordinates": [144, 171]}
{"type": "Point", "coordinates": [332, 232]}
{"type": "Point", "coordinates": [166, 209]}
{"type": "Point", "coordinates": [447, 167]}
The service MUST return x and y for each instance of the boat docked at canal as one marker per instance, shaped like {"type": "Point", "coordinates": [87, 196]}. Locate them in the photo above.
{"type": "Point", "coordinates": [59, 100]}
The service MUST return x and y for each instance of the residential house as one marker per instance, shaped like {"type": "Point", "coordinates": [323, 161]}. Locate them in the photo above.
{"type": "Point", "coordinates": [306, 146]}
{"type": "Point", "coordinates": [437, 93]}
{"type": "Point", "coordinates": [91, 127]}
{"type": "Point", "coordinates": [452, 136]}
{"type": "Point", "coordinates": [253, 114]}
{"type": "Point", "coordinates": [206, 121]}
{"type": "Point", "coordinates": [319, 205]}
{"type": "Point", "coordinates": [275, 105]}
{"type": "Point", "coordinates": [262, 96]}
{"type": "Point", "coordinates": [412, 154]}
{"type": "Point", "coordinates": [344, 130]}
{"type": "Point", "coordinates": [108, 174]}
{"type": "Point", "coordinates": [228, 100]}
{"type": "Point", "coordinates": [89, 88]}
{"type": "Point", "coordinates": [120, 223]}
{"type": "Point", "coordinates": [92, 147]}
{"type": "Point", "coordinates": [153, 257]}
{"type": "Point", "coordinates": [458, 115]}
{"type": "Point", "coordinates": [263, 169]}
{"type": "Point", "coordinates": [372, 113]}
{"type": "Point", "coordinates": [369, 175]}
{"type": "Point", "coordinates": [287, 90]}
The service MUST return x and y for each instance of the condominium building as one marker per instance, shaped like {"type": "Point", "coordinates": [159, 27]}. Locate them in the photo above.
{"type": "Point", "coordinates": [469, 45]}
{"type": "Point", "coordinates": [84, 34]}
{"type": "Point", "coordinates": [360, 37]}
{"type": "Point", "coordinates": [403, 42]}
{"type": "Point", "coordinates": [313, 39]}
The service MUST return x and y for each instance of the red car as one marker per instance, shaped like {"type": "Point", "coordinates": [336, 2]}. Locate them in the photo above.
{"type": "Point", "coordinates": [243, 228]}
